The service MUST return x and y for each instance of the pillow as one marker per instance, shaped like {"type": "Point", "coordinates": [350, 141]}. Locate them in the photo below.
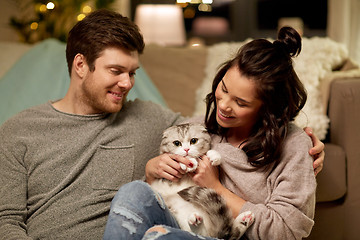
{"type": "Point", "coordinates": [41, 75]}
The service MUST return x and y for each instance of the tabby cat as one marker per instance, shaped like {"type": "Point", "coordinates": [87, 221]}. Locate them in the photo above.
{"type": "Point", "coordinates": [197, 209]}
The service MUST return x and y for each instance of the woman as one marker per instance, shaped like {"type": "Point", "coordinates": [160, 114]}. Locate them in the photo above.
{"type": "Point", "coordinates": [266, 166]}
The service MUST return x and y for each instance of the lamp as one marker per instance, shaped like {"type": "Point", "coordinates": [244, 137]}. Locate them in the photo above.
{"type": "Point", "coordinates": [161, 24]}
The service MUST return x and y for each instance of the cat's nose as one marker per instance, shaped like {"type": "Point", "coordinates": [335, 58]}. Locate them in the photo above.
{"type": "Point", "coordinates": [186, 150]}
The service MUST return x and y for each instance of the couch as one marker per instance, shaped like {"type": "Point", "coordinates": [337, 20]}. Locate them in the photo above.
{"type": "Point", "coordinates": [178, 74]}
{"type": "Point", "coordinates": [173, 77]}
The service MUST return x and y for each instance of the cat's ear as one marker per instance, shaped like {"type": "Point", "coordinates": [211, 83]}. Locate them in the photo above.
{"type": "Point", "coordinates": [163, 135]}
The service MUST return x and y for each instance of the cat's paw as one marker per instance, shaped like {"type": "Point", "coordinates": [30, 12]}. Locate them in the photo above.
{"type": "Point", "coordinates": [195, 219]}
{"type": "Point", "coordinates": [244, 220]}
{"type": "Point", "coordinates": [214, 156]}
{"type": "Point", "coordinates": [190, 169]}
{"type": "Point", "coordinates": [183, 166]}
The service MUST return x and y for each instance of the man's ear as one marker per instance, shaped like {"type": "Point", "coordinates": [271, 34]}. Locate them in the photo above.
{"type": "Point", "coordinates": [80, 65]}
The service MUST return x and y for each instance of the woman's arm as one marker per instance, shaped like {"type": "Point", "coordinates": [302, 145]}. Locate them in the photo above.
{"type": "Point", "coordinates": [207, 175]}
{"type": "Point", "coordinates": [283, 202]}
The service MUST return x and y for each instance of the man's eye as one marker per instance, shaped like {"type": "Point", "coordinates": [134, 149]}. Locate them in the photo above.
{"type": "Point", "coordinates": [132, 74]}
{"type": "Point", "coordinates": [177, 143]}
{"type": "Point", "coordinates": [115, 72]}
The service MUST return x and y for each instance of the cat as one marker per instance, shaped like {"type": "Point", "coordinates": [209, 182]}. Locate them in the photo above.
{"type": "Point", "coordinates": [197, 209]}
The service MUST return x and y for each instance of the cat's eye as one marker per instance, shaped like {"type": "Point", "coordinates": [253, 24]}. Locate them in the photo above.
{"type": "Point", "coordinates": [193, 141]}
{"type": "Point", "coordinates": [177, 143]}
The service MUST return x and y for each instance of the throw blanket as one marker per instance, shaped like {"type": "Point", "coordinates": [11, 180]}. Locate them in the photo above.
{"type": "Point", "coordinates": [318, 57]}
{"type": "Point", "coordinates": [41, 74]}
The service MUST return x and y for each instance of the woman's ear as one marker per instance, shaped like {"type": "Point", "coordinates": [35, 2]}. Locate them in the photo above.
{"type": "Point", "coordinates": [80, 65]}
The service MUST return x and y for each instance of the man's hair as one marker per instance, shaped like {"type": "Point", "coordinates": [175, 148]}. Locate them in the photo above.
{"type": "Point", "coordinates": [100, 30]}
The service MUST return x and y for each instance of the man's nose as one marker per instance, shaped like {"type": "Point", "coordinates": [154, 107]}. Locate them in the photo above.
{"type": "Point", "coordinates": [125, 81]}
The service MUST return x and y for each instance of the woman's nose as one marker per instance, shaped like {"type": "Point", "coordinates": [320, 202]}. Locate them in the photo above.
{"type": "Point", "coordinates": [224, 104]}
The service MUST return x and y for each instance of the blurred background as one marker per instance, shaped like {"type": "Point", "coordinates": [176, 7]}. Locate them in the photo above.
{"type": "Point", "coordinates": [193, 22]}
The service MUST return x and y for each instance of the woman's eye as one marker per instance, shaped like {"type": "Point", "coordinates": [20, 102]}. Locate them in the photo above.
{"type": "Point", "coordinates": [240, 104]}
{"type": "Point", "coordinates": [193, 141]}
{"type": "Point", "coordinates": [177, 143]}
{"type": "Point", "coordinates": [132, 74]}
{"type": "Point", "coordinates": [223, 89]}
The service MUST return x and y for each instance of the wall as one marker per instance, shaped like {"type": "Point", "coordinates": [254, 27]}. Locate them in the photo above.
{"type": "Point", "coordinates": [7, 9]}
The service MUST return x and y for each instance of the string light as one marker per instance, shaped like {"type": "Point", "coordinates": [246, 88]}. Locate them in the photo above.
{"type": "Point", "coordinates": [189, 12]}
{"type": "Point", "coordinates": [195, 1]}
{"type": "Point", "coordinates": [86, 9]}
{"type": "Point", "coordinates": [81, 16]}
{"type": "Point", "coordinates": [42, 8]}
{"type": "Point", "coordinates": [205, 8]}
{"type": "Point", "coordinates": [50, 5]}
{"type": "Point", "coordinates": [52, 18]}
{"type": "Point", "coordinates": [34, 26]}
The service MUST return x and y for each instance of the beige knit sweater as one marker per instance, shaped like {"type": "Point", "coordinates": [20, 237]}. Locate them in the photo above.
{"type": "Point", "coordinates": [282, 197]}
{"type": "Point", "coordinates": [59, 172]}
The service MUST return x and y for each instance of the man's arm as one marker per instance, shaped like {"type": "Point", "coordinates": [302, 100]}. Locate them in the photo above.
{"type": "Point", "coordinates": [317, 151]}
{"type": "Point", "coordinates": [13, 185]}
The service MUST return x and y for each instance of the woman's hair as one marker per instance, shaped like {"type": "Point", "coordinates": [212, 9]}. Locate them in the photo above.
{"type": "Point", "coordinates": [269, 66]}
{"type": "Point", "coordinates": [100, 30]}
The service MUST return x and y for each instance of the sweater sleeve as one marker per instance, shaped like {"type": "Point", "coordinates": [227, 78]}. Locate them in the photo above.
{"type": "Point", "coordinates": [13, 182]}
{"type": "Point", "coordinates": [288, 211]}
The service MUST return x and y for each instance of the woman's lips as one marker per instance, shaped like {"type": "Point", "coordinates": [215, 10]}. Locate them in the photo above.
{"type": "Point", "coordinates": [223, 116]}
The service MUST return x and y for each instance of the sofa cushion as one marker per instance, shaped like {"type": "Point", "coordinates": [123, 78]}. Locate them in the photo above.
{"type": "Point", "coordinates": [332, 179]}
{"type": "Point", "coordinates": [177, 73]}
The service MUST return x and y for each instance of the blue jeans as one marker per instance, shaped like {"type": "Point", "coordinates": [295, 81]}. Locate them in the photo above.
{"type": "Point", "coordinates": [135, 209]}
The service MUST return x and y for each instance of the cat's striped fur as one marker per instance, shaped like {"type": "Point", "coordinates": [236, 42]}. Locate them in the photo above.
{"type": "Point", "coordinates": [197, 209]}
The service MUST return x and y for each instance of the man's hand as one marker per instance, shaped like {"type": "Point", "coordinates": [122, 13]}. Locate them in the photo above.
{"type": "Point", "coordinates": [317, 151]}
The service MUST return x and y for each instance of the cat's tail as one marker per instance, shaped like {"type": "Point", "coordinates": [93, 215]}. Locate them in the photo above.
{"type": "Point", "coordinates": [214, 205]}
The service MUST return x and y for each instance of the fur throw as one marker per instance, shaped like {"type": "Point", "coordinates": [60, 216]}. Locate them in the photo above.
{"type": "Point", "coordinates": [318, 57]}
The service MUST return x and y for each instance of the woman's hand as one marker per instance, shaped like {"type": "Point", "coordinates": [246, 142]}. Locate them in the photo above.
{"type": "Point", "coordinates": [166, 166]}
{"type": "Point", "coordinates": [206, 175]}
{"type": "Point", "coordinates": [317, 151]}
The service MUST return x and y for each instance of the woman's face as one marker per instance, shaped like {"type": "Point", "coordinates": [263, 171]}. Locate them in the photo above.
{"type": "Point", "coordinates": [236, 101]}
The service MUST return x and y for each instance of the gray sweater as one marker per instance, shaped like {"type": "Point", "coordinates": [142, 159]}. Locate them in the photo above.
{"type": "Point", "coordinates": [59, 172]}
{"type": "Point", "coordinates": [282, 197]}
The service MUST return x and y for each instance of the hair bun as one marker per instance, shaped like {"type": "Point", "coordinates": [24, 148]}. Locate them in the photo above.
{"type": "Point", "coordinates": [289, 40]}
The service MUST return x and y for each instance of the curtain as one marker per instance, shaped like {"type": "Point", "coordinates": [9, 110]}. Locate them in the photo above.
{"type": "Point", "coordinates": [344, 25]}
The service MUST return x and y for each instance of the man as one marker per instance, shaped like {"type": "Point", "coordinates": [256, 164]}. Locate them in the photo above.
{"type": "Point", "coordinates": [62, 162]}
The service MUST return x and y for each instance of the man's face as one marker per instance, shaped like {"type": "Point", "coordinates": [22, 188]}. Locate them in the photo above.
{"type": "Point", "coordinates": [104, 90]}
